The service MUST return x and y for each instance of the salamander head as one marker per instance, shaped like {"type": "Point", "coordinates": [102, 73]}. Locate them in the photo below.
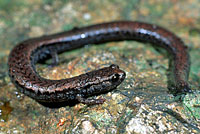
{"type": "Point", "coordinates": [117, 75]}
{"type": "Point", "coordinates": [104, 80]}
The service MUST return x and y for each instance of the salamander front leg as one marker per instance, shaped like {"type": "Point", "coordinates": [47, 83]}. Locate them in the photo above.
{"type": "Point", "coordinates": [89, 101]}
{"type": "Point", "coordinates": [55, 59]}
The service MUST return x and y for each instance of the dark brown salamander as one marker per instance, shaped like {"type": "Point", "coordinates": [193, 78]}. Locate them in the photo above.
{"type": "Point", "coordinates": [26, 54]}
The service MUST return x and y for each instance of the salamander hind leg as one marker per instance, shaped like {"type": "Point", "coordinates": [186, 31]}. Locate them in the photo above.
{"type": "Point", "coordinates": [182, 90]}
{"type": "Point", "coordinates": [186, 89]}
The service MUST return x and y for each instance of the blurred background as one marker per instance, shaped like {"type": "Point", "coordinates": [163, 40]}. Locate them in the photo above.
{"type": "Point", "coordinates": [22, 19]}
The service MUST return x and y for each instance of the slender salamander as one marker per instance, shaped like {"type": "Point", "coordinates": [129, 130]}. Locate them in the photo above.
{"type": "Point", "coordinates": [26, 54]}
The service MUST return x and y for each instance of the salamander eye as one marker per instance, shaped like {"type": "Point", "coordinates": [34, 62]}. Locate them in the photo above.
{"type": "Point", "coordinates": [114, 66]}
{"type": "Point", "coordinates": [115, 77]}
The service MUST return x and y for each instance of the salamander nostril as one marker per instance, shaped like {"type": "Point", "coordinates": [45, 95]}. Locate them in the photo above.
{"type": "Point", "coordinates": [122, 75]}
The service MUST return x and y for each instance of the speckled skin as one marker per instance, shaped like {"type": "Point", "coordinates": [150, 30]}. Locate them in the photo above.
{"type": "Point", "coordinates": [23, 57]}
